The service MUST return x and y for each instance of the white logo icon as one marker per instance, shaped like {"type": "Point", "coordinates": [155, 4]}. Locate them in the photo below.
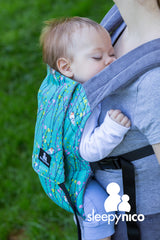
{"type": "Point", "coordinates": [115, 202]}
{"type": "Point", "coordinates": [44, 157]}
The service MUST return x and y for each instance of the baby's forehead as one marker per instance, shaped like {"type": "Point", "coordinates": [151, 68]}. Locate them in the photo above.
{"type": "Point", "coordinates": [89, 38]}
{"type": "Point", "coordinates": [88, 32]}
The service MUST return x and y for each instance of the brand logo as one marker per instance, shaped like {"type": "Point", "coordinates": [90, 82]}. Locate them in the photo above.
{"type": "Point", "coordinates": [116, 203]}
{"type": "Point", "coordinates": [44, 157]}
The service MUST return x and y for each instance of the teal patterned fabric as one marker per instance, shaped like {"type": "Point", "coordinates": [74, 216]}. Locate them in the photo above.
{"type": "Point", "coordinates": [63, 110]}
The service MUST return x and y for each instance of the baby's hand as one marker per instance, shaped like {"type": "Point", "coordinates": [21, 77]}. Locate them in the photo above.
{"type": "Point", "coordinates": [120, 118]}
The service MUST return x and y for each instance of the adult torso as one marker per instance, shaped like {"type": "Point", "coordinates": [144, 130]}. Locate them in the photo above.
{"type": "Point", "coordinates": [147, 169]}
{"type": "Point", "coordinates": [125, 100]}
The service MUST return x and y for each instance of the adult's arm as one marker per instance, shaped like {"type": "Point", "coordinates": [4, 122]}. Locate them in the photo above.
{"type": "Point", "coordinates": [156, 148]}
{"type": "Point", "coordinates": [147, 111]}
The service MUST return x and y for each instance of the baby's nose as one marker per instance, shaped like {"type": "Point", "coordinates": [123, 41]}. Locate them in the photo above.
{"type": "Point", "coordinates": [109, 60]}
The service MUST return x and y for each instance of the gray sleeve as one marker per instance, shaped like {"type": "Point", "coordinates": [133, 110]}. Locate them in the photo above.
{"type": "Point", "coordinates": [147, 111]}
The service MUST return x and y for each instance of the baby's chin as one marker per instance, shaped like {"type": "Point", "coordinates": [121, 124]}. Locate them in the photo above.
{"type": "Point", "coordinates": [80, 80]}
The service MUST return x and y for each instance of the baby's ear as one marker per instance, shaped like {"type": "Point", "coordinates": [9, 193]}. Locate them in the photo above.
{"type": "Point", "coordinates": [63, 66]}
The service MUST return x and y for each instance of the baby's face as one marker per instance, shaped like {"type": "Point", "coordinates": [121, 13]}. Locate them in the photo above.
{"type": "Point", "coordinates": [92, 52]}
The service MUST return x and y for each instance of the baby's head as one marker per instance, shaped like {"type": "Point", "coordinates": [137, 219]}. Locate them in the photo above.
{"type": "Point", "coordinates": [77, 47]}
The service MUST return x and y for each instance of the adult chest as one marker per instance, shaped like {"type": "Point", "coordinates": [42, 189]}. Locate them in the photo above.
{"type": "Point", "coordinates": [125, 99]}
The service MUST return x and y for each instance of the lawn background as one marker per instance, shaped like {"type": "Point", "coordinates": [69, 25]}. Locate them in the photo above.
{"type": "Point", "coordinates": [26, 213]}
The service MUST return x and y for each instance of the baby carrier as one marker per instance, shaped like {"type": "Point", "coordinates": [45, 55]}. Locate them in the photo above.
{"type": "Point", "coordinates": [63, 109]}
{"type": "Point", "coordinates": [62, 112]}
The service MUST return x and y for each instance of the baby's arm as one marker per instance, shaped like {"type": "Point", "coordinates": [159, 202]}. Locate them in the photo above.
{"type": "Point", "coordinates": [98, 142]}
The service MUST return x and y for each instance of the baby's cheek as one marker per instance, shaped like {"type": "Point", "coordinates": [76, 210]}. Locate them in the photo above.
{"type": "Point", "coordinates": [99, 68]}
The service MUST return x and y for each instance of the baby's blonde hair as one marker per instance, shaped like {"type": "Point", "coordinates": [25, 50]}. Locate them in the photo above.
{"type": "Point", "coordinates": [56, 37]}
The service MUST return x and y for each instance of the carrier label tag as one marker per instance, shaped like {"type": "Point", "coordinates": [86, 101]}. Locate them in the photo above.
{"type": "Point", "coordinates": [44, 157]}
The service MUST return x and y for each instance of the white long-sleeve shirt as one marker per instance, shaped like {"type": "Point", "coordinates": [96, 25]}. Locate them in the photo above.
{"type": "Point", "coordinates": [98, 142]}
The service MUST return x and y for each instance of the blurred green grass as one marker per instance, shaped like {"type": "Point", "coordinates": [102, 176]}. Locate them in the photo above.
{"type": "Point", "coordinates": [26, 213]}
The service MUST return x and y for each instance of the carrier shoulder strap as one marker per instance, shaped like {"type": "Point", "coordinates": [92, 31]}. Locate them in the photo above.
{"type": "Point", "coordinates": [123, 72]}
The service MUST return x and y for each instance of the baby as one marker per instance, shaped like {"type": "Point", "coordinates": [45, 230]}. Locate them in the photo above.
{"type": "Point", "coordinates": [79, 48]}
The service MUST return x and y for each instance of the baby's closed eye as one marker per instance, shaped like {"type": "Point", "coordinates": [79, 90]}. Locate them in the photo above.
{"type": "Point", "coordinates": [97, 58]}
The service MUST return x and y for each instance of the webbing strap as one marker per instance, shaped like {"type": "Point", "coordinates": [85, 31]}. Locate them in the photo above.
{"type": "Point", "coordinates": [73, 208]}
{"type": "Point", "coordinates": [138, 153]}
{"type": "Point", "coordinates": [128, 174]}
